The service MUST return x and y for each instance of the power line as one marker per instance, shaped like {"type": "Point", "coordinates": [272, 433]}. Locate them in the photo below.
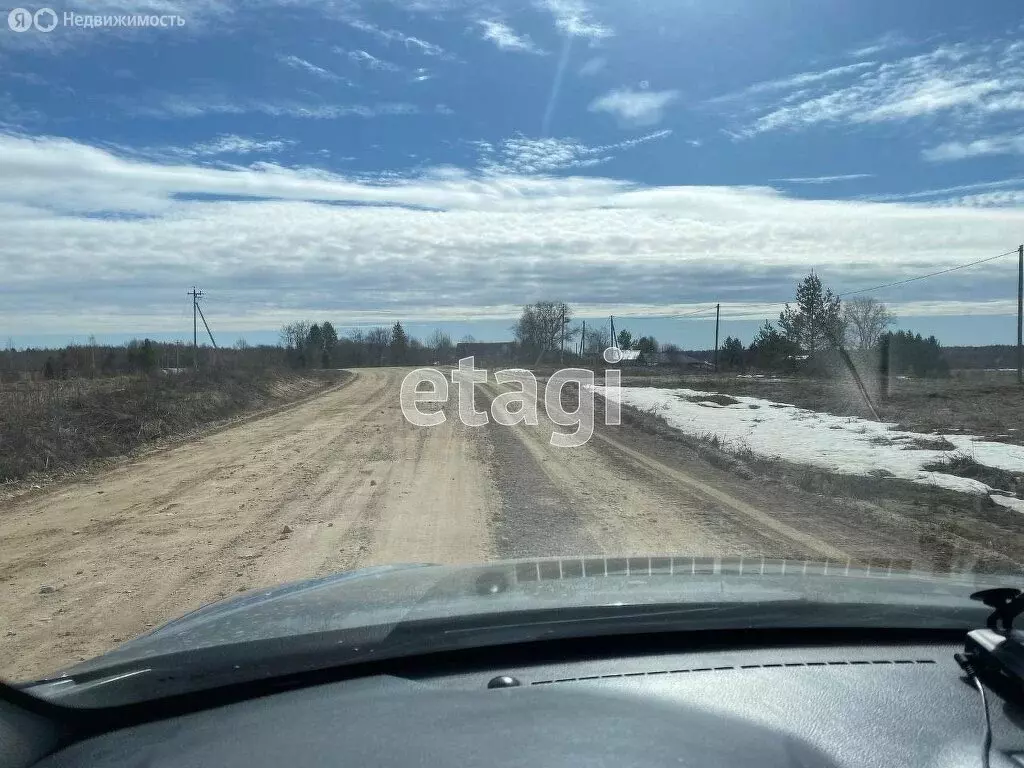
{"type": "Point", "coordinates": [711, 309]}
{"type": "Point", "coordinates": [892, 284]}
{"type": "Point", "coordinates": [686, 314]}
{"type": "Point", "coordinates": [930, 274]}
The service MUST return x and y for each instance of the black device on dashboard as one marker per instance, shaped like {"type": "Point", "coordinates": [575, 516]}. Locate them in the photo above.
{"type": "Point", "coordinates": [996, 654]}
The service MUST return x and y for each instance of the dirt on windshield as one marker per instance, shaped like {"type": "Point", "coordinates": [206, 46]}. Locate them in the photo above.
{"type": "Point", "coordinates": [343, 481]}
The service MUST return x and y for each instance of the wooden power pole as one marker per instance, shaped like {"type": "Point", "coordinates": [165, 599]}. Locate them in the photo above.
{"type": "Point", "coordinates": [611, 320]}
{"type": "Point", "coordinates": [561, 342]}
{"type": "Point", "coordinates": [196, 295]}
{"type": "Point", "coordinates": [1020, 314]}
{"type": "Point", "coordinates": [718, 308]}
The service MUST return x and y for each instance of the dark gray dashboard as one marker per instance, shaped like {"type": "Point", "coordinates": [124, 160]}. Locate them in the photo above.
{"type": "Point", "coordinates": [892, 705]}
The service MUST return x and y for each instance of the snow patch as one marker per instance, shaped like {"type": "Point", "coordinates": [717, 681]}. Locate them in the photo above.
{"type": "Point", "coordinates": [841, 444]}
{"type": "Point", "coordinates": [1017, 505]}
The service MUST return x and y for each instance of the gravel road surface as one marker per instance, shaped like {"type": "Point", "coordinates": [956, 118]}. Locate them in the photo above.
{"type": "Point", "coordinates": [343, 481]}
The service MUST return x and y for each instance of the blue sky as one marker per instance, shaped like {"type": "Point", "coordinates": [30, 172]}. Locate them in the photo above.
{"type": "Point", "coordinates": [444, 162]}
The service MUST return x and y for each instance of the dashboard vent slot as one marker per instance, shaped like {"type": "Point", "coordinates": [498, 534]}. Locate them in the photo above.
{"type": "Point", "coordinates": [778, 665]}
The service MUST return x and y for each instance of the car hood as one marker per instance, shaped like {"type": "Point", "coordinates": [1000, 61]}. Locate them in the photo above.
{"type": "Point", "coordinates": [368, 604]}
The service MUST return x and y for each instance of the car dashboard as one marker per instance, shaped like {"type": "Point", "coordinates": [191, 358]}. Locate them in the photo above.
{"type": "Point", "coordinates": [876, 704]}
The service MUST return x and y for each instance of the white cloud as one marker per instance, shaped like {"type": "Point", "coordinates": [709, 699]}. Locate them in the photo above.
{"type": "Point", "coordinates": [1003, 199]}
{"type": "Point", "coordinates": [1006, 144]}
{"type": "Point", "coordinates": [634, 107]}
{"type": "Point", "coordinates": [572, 18]}
{"type": "Point", "coordinates": [503, 36]}
{"type": "Point", "coordinates": [307, 66]}
{"type": "Point", "coordinates": [962, 82]}
{"type": "Point", "coordinates": [947, 194]}
{"type": "Point", "coordinates": [800, 80]}
{"type": "Point", "coordinates": [593, 66]}
{"type": "Point", "coordinates": [186, 106]}
{"type": "Point", "coordinates": [521, 155]}
{"type": "Point", "coordinates": [94, 242]}
{"type": "Point", "coordinates": [396, 36]}
{"type": "Point", "coordinates": [231, 144]}
{"type": "Point", "coordinates": [826, 179]}
{"type": "Point", "coordinates": [368, 60]}
{"type": "Point", "coordinates": [881, 44]}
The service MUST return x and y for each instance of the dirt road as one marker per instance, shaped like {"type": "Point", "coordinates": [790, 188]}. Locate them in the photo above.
{"type": "Point", "coordinates": [343, 481]}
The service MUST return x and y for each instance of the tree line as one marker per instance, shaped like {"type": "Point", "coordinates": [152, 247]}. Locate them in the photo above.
{"type": "Point", "coordinates": [816, 331]}
{"type": "Point", "coordinates": [821, 332]}
{"type": "Point", "coordinates": [318, 345]}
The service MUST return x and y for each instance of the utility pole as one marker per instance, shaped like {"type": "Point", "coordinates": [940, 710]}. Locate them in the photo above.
{"type": "Point", "coordinates": [196, 295]}
{"type": "Point", "coordinates": [611, 319]}
{"type": "Point", "coordinates": [583, 339]}
{"type": "Point", "coordinates": [718, 308]}
{"type": "Point", "coordinates": [561, 343]}
{"type": "Point", "coordinates": [1020, 314]}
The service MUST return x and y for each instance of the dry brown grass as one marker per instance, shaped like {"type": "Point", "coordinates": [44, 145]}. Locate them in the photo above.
{"type": "Point", "coordinates": [56, 426]}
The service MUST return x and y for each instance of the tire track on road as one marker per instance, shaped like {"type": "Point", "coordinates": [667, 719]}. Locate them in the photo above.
{"type": "Point", "coordinates": [637, 505]}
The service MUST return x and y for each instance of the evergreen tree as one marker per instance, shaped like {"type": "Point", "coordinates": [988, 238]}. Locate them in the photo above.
{"type": "Point", "coordinates": [731, 355]}
{"type": "Point", "coordinates": [399, 344]}
{"type": "Point", "coordinates": [905, 352]}
{"type": "Point", "coordinates": [816, 322]}
{"type": "Point", "coordinates": [771, 350]}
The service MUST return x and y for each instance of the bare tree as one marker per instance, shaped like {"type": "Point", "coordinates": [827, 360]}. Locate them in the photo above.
{"type": "Point", "coordinates": [441, 343]}
{"type": "Point", "coordinates": [543, 326]}
{"type": "Point", "coordinates": [294, 335]}
{"type": "Point", "coordinates": [866, 319]}
{"type": "Point", "coordinates": [597, 340]}
{"type": "Point", "coordinates": [378, 340]}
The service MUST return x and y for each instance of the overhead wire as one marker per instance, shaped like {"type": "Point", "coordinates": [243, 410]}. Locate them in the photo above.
{"type": "Point", "coordinates": [930, 274]}
{"type": "Point", "coordinates": [895, 283]}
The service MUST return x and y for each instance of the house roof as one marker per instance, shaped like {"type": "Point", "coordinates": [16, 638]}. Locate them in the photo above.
{"type": "Point", "coordinates": [678, 358]}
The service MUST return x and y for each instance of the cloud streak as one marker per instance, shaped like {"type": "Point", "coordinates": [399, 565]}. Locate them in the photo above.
{"type": "Point", "coordinates": [506, 39]}
{"type": "Point", "coordinates": [396, 36]}
{"type": "Point", "coordinates": [200, 105]}
{"type": "Point", "coordinates": [1006, 144]}
{"type": "Point", "coordinates": [295, 62]}
{"type": "Point", "coordinates": [963, 82]}
{"type": "Point", "coordinates": [367, 60]}
{"type": "Point", "coordinates": [825, 179]}
{"type": "Point", "coordinates": [520, 155]}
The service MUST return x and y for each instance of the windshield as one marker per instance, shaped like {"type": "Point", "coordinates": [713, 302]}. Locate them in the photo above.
{"type": "Point", "coordinates": [666, 303]}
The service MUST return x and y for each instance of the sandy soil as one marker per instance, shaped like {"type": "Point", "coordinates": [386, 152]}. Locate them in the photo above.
{"type": "Point", "coordinates": [130, 549]}
{"type": "Point", "coordinates": [342, 481]}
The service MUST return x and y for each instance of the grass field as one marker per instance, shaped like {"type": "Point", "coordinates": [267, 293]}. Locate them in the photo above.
{"type": "Point", "coordinates": [57, 426]}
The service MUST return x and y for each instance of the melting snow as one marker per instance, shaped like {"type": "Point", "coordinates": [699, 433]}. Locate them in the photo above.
{"type": "Point", "coordinates": [1009, 501]}
{"type": "Point", "coordinates": [839, 444]}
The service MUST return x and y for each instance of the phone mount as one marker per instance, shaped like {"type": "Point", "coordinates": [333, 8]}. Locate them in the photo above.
{"type": "Point", "coordinates": [997, 652]}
